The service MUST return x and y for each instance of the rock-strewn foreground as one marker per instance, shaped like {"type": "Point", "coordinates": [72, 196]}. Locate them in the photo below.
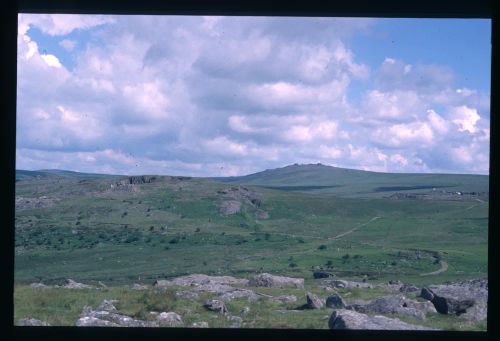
{"type": "Point", "coordinates": [467, 300]}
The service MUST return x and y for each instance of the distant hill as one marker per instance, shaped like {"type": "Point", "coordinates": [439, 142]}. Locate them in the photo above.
{"type": "Point", "coordinates": [319, 178]}
{"type": "Point", "coordinates": [26, 174]}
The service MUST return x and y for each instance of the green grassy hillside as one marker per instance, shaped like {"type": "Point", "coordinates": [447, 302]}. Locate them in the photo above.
{"type": "Point", "coordinates": [102, 228]}
{"type": "Point", "coordinates": [318, 178]}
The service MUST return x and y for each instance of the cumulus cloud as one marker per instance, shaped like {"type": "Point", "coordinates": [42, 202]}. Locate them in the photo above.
{"type": "Point", "coordinates": [213, 96]}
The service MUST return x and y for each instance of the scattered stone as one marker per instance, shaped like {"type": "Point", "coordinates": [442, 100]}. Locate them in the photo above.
{"type": "Point", "coordinates": [32, 322]}
{"type": "Point", "coordinates": [268, 280]}
{"type": "Point", "coordinates": [187, 294]}
{"type": "Point", "coordinates": [348, 319]}
{"type": "Point", "coordinates": [313, 301]}
{"type": "Point", "coordinates": [285, 298]}
{"type": "Point", "coordinates": [89, 321]}
{"type": "Point", "coordinates": [335, 301]}
{"type": "Point", "coordinates": [136, 286]}
{"type": "Point", "coordinates": [202, 324]}
{"type": "Point", "coordinates": [169, 319]}
{"type": "Point", "coordinates": [392, 304]}
{"type": "Point", "coordinates": [216, 305]}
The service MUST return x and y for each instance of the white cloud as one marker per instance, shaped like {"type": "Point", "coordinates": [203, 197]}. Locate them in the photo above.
{"type": "Point", "coordinates": [465, 117]}
{"type": "Point", "coordinates": [51, 60]}
{"type": "Point", "coordinates": [60, 24]}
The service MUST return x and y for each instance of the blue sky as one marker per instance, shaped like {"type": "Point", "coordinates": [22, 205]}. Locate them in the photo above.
{"type": "Point", "coordinates": [209, 96]}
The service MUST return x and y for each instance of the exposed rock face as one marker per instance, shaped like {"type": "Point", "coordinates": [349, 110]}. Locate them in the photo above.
{"type": "Point", "coordinates": [169, 319]}
{"type": "Point", "coordinates": [339, 283]}
{"type": "Point", "coordinates": [138, 180]}
{"type": "Point", "coordinates": [201, 324]}
{"type": "Point", "coordinates": [468, 299]}
{"type": "Point", "coordinates": [313, 302]}
{"type": "Point", "coordinates": [348, 319]}
{"type": "Point", "coordinates": [216, 305]}
{"type": "Point", "coordinates": [108, 305]}
{"type": "Point", "coordinates": [335, 301]}
{"type": "Point", "coordinates": [32, 322]}
{"type": "Point", "coordinates": [268, 280]}
{"type": "Point", "coordinates": [229, 207]}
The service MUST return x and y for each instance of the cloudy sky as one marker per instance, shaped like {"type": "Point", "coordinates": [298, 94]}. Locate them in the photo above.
{"type": "Point", "coordinates": [215, 96]}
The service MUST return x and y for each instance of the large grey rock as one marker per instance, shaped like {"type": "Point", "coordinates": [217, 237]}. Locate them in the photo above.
{"type": "Point", "coordinates": [313, 301]}
{"type": "Point", "coordinates": [169, 319]}
{"type": "Point", "coordinates": [393, 304]}
{"type": "Point", "coordinates": [335, 301]}
{"type": "Point", "coordinates": [32, 322]}
{"type": "Point", "coordinates": [469, 299]}
{"type": "Point", "coordinates": [107, 316]}
{"type": "Point", "coordinates": [268, 280]}
{"type": "Point", "coordinates": [216, 305]}
{"type": "Point", "coordinates": [349, 319]}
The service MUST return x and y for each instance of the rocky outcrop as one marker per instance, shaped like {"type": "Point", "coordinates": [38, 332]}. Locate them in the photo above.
{"type": "Point", "coordinates": [106, 315]}
{"type": "Point", "coordinates": [32, 322]}
{"type": "Point", "coordinates": [169, 319]}
{"type": "Point", "coordinates": [197, 280]}
{"type": "Point", "coordinates": [229, 207]}
{"type": "Point", "coordinates": [469, 299]}
{"type": "Point", "coordinates": [137, 180]}
{"type": "Point", "coordinates": [335, 302]}
{"type": "Point", "coordinates": [348, 319]}
{"type": "Point", "coordinates": [272, 281]}
{"type": "Point", "coordinates": [393, 304]}
{"type": "Point", "coordinates": [216, 305]}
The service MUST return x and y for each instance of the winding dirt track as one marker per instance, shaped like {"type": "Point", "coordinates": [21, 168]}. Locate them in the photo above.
{"type": "Point", "coordinates": [353, 229]}
{"type": "Point", "coordinates": [443, 268]}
